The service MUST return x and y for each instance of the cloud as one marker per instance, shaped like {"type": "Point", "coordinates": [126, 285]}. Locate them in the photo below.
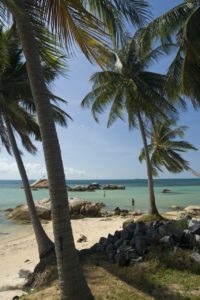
{"type": "Point", "coordinates": [9, 169]}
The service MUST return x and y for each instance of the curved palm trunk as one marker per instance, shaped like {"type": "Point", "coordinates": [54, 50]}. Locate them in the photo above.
{"type": "Point", "coordinates": [153, 209]}
{"type": "Point", "coordinates": [72, 282]}
{"type": "Point", "coordinates": [45, 245]}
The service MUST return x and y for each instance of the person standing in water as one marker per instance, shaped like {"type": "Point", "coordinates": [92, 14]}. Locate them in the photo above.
{"type": "Point", "coordinates": [133, 202]}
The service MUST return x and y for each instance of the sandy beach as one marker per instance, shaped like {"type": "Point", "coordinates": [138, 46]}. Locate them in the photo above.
{"type": "Point", "coordinates": [18, 255]}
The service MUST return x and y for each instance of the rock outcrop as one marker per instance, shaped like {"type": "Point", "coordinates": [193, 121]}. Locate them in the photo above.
{"type": "Point", "coordinates": [165, 191]}
{"type": "Point", "coordinates": [77, 208]}
{"type": "Point", "coordinates": [192, 210]}
{"type": "Point", "coordinates": [113, 187]}
{"type": "Point", "coordinates": [130, 245]}
{"type": "Point", "coordinates": [40, 184]}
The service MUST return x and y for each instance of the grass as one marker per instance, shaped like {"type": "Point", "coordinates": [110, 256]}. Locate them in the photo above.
{"type": "Point", "coordinates": [169, 276]}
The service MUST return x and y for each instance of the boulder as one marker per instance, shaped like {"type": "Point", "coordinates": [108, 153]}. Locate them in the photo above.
{"type": "Point", "coordinates": [117, 211]}
{"type": "Point", "coordinates": [40, 184]}
{"type": "Point", "coordinates": [195, 257]}
{"type": "Point", "coordinates": [192, 209]}
{"type": "Point", "coordinates": [176, 207]}
{"type": "Point", "coordinates": [21, 213]}
{"type": "Point", "coordinates": [166, 191]}
{"type": "Point", "coordinates": [113, 187]}
{"type": "Point", "coordinates": [127, 223]}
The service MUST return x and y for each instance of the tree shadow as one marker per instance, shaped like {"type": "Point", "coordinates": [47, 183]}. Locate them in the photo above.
{"type": "Point", "coordinates": [138, 277]}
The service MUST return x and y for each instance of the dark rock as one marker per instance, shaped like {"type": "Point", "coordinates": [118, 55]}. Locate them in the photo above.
{"type": "Point", "coordinates": [99, 248]}
{"type": "Point", "coordinates": [117, 211]}
{"type": "Point", "coordinates": [132, 242]}
{"type": "Point", "coordinates": [177, 237]}
{"type": "Point", "coordinates": [111, 256]}
{"type": "Point", "coordinates": [131, 227]}
{"type": "Point", "coordinates": [102, 241]}
{"type": "Point", "coordinates": [82, 239]}
{"type": "Point", "coordinates": [121, 260]}
{"type": "Point", "coordinates": [118, 243]}
{"type": "Point", "coordinates": [125, 234]}
{"type": "Point", "coordinates": [109, 248]}
{"type": "Point", "coordinates": [117, 234]}
{"type": "Point", "coordinates": [124, 212]}
{"type": "Point", "coordinates": [113, 187]}
{"type": "Point", "coordinates": [188, 241]}
{"type": "Point", "coordinates": [140, 244]}
{"type": "Point", "coordinates": [9, 209]}
{"type": "Point", "coordinates": [166, 191]}
{"type": "Point", "coordinates": [127, 223]}
{"type": "Point", "coordinates": [140, 228]}
{"type": "Point", "coordinates": [126, 243]}
{"type": "Point", "coordinates": [157, 224]}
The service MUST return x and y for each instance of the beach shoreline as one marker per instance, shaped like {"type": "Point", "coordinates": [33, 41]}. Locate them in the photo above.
{"type": "Point", "coordinates": [18, 254]}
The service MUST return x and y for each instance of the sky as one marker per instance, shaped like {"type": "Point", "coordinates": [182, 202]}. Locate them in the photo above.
{"type": "Point", "coordinates": [91, 150]}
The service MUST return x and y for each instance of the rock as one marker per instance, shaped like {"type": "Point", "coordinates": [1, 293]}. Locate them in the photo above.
{"type": "Point", "coordinates": [195, 257]}
{"type": "Point", "coordinates": [188, 241]}
{"type": "Point", "coordinates": [134, 261]}
{"type": "Point", "coordinates": [127, 223]}
{"type": "Point", "coordinates": [136, 213]}
{"type": "Point", "coordinates": [140, 244]}
{"type": "Point", "coordinates": [117, 211]}
{"type": "Point", "coordinates": [140, 228]}
{"type": "Point", "coordinates": [95, 186]}
{"type": "Point", "coordinates": [124, 212]}
{"type": "Point", "coordinates": [166, 191]}
{"type": "Point", "coordinates": [82, 239]}
{"type": "Point", "coordinates": [40, 184]}
{"type": "Point", "coordinates": [8, 209]}
{"type": "Point", "coordinates": [121, 260]}
{"type": "Point", "coordinates": [176, 207]}
{"type": "Point", "coordinates": [21, 213]}
{"type": "Point", "coordinates": [172, 226]}
{"type": "Point", "coordinates": [113, 187]}
{"type": "Point", "coordinates": [167, 240]}
{"type": "Point", "coordinates": [197, 238]}
{"type": "Point", "coordinates": [194, 227]}
{"type": "Point", "coordinates": [125, 234]}
{"type": "Point", "coordinates": [193, 209]}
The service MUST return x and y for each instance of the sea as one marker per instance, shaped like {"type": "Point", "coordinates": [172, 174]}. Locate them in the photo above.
{"type": "Point", "coordinates": [184, 192]}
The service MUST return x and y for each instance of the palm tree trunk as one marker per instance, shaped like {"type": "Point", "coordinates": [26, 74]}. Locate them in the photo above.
{"type": "Point", "coordinates": [72, 282]}
{"type": "Point", "coordinates": [153, 209]}
{"type": "Point", "coordinates": [45, 245]}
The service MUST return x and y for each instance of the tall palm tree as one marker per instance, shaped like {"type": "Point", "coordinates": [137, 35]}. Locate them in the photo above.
{"type": "Point", "coordinates": [183, 23]}
{"type": "Point", "coordinates": [165, 150]}
{"type": "Point", "coordinates": [15, 106]}
{"type": "Point", "coordinates": [73, 23]}
{"type": "Point", "coordinates": [129, 87]}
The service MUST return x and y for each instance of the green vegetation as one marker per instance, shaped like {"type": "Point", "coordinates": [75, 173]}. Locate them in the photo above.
{"type": "Point", "coordinates": [171, 277]}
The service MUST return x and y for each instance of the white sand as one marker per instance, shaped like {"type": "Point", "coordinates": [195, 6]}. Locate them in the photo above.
{"type": "Point", "coordinates": [18, 255]}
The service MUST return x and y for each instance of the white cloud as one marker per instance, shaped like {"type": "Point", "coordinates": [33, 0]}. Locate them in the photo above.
{"type": "Point", "coordinates": [9, 170]}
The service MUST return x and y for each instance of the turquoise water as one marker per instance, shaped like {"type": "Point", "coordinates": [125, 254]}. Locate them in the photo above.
{"type": "Point", "coordinates": [184, 192]}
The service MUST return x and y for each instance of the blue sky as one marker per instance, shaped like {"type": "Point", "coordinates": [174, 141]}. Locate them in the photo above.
{"type": "Point", "coordinates": [90, 150]}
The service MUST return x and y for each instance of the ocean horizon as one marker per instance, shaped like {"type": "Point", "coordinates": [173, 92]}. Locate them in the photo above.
{"type": "Point", "coordinates": [184, 192]}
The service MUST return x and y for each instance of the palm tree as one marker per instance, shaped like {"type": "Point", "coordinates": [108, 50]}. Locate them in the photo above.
{"type": "Point", "coordinates": [72, 23]}
{"type": "Point", "coordinates": [129, 86]}
{"type": "Point", "coordinates": [15, 100]}
{"type": "Point", "coordinates": [164, 148]}
{"type": "Point", "coordinates": [183, 22]}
